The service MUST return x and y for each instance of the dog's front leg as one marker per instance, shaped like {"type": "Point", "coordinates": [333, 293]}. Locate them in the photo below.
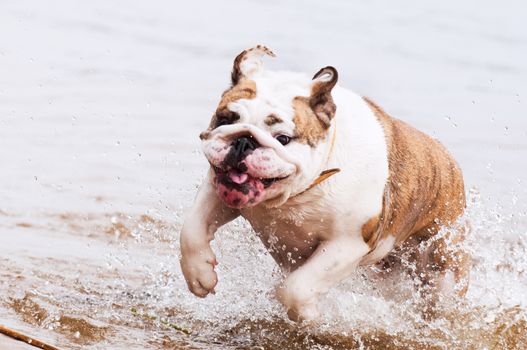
{"type": "Point", "coordinates": [332, 261]}
{"type": "Point", "coordinates": [197, 258]}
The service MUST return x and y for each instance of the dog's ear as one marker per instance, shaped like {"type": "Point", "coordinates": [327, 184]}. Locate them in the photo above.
{"type": "Point", "coordinates": [320, 100]}
{"type": "Point", "coordinates": [249, 62]}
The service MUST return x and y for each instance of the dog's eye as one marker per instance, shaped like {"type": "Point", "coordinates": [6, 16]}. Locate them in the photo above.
{"type": "Point", "coordinates": [223, 121]}
{"type": "Point", "coordinates": [283, 139]}
{"type": "Point", "coordinates": [225, 117]}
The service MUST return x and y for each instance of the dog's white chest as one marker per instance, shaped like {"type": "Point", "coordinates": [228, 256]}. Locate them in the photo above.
{"type": "Point", "coordinates": [290, 237]}
{"type": "Point", "coordinates": [340, 205]}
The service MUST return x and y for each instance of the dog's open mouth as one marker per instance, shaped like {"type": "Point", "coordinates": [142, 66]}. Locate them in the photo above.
{"type": "Point", "coordinates": [240, 189]}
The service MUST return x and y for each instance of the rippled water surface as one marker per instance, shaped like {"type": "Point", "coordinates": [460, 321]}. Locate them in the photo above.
{"type": "Point", "coordinates": [100, 107]}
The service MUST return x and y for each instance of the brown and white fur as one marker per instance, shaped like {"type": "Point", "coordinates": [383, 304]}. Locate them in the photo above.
{"type": "Point", "coordinates": [396, 186]}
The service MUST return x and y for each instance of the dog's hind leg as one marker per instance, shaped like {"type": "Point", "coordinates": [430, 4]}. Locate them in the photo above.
{"type": "Point", "coordinates": [442, 267]}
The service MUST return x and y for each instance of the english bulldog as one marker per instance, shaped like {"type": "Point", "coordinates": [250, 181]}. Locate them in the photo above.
{"type": "Point", "coordinates": [327, 179]}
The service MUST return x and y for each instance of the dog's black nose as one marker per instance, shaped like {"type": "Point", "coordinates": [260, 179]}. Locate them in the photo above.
{"type": "Point", "coordinates": [240, 148]}
{"type": "Point", "coordinates": [243, 145]}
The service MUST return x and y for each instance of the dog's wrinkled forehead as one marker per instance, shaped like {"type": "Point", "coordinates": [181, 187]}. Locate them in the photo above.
{"type": "Point", "coordinates": [266, 98]}
{"type": "Point", "coordinates": [273, 98]}
{"type": "Point", "coordinates": [259, 95]}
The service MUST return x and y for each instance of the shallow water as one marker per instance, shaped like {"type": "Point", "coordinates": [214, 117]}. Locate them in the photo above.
{"type": "Point", "coordinates": [100, 107]}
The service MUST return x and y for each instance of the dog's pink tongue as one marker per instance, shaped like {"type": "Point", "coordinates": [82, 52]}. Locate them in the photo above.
{"type": "Point", "coordinates": [238, 178]}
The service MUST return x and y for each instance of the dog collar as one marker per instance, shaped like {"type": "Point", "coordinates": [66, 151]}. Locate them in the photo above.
{"type": "Point", "coordinates": [323, 176]}
{"type": "Point", "coordinates": [326, 173]}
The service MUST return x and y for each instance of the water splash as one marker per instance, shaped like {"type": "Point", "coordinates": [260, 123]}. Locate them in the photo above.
{"type": "Point", "coordinates": [139, 293]}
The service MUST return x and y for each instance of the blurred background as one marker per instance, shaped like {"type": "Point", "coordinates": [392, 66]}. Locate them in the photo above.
{"type": "Point", "coordinates": [101, 104]}
{"type": "Point", "coordinates": [107, 98]}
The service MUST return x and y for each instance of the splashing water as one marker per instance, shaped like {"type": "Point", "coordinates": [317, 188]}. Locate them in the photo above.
{"type": "Point", "coordinates": [139, 295]}
{"type": "Point", "coordinates": [100, 107]}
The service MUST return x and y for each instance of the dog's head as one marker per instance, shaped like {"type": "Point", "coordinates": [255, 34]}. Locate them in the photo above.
{"type": "Point", "coordinates": [269, 137]}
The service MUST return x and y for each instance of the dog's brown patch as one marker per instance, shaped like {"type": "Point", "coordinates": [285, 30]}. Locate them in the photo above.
{"type": "Point", "coordinates": [246, 89]}
{"type": "Point", "coordinates": [308, 128]}
{"type": "Point", "coordinates": [272, 120]}
{"type": "Point", "coordinates": [425, 186]}
{"type": "Point", "coordinates": [313, 114]}
{"type": "Point", "coordinates": [225, 116]}
{"type": "Point", "coordinates": [424, 192]}
{"type": "Point", "coordinates": [369, 228]}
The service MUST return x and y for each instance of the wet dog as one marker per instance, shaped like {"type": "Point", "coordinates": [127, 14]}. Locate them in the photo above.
{"type": "Point", "coordinates": [329, 182]}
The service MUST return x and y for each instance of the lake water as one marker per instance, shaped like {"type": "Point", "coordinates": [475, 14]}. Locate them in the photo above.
{"type": "Point", "coordinates": [101, 104]}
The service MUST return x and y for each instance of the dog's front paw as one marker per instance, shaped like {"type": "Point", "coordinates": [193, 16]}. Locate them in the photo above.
{"type": "Point", "coordinates": [299, 299]}
{"type": "Point", "coordinates": [304, 313]}
{"type": "Point", "coordinates": [198, 269]}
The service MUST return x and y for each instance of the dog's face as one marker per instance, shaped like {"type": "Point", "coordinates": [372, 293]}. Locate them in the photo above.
{"type": "Point", "coordinates": [269, 136]}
